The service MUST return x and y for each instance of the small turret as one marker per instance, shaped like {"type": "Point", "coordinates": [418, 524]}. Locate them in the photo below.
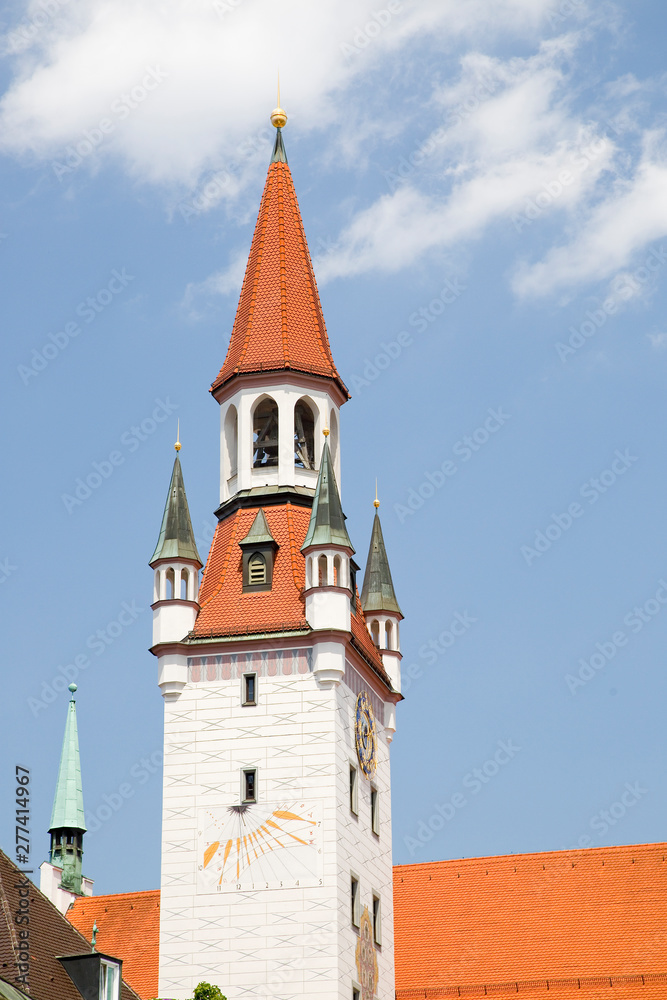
{"type": "Point", "coordinates": [328, 551]}
{"type": "Point", "coordinates": [176, 563]}
{"type": "Point", "coordinates": [61, 877]}
{"type": "Point", "coordinates": [379, 603]}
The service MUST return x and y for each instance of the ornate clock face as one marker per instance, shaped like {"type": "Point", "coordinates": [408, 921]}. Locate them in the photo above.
{"type": "Point", "coordinates": [259, 846]}
{"type": "Point", "coordinates": [365, 734]}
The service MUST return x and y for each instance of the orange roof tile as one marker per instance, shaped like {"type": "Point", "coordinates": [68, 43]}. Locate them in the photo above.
{"type": "Point", "coordinates": [128, 928]}
{"type": "Point", "coordinates": [494, 922]}
{"type": "Point", "coordinates": [279, 322]}
{"type": "Point", "coordinates": [225, 609]}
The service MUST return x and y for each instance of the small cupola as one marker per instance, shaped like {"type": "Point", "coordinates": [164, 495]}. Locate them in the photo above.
{"type": "Point", "coordinates": [328, 552]}
{"type": "Point", "coordinates": [259, 548]}
{"type": "Point", "coordinates": [176, 565]}
{"type": "Point", "coordinates": [378, 600]}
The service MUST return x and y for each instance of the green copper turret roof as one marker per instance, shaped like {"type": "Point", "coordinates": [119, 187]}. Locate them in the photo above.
{"type": "Point", "coordinates": [177, 540]}
{"type": "Point", "coordinates": [327, 520]}
{"type": "Point", "coordinates": [68, 802]}
{"type": "Point", "coordinates": [279, 154]}
{"type": "Point", "coordinates": [378, 591]}
{"type": "Point", "coordinates": [260, 533]}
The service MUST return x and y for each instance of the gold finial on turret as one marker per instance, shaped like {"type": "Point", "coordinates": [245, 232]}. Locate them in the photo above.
{"type": "Point", "coordinates": [177, 446]}
{"type": "Point", "coordinates": [376, 502]}
{"type": "Point", "coordinates": [278, 116]}
{"type": "Point", "coordinates": [326, 432]}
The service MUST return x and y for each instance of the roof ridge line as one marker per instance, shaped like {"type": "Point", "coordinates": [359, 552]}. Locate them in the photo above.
{"type": "Point", "coordinates": [265, 202]}
{"type": "Point", "coordinates": [526, 984]}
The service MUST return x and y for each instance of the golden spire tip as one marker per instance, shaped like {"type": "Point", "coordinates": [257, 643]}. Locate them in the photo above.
{"type": "Point", "coordinates": [278, 116]}
{"type": "Point", "coordinates": [376, 502]}
{"type": "Point", "coordinates": [326, 432]}
{"type": "Point", "coordinates": [177, 446]}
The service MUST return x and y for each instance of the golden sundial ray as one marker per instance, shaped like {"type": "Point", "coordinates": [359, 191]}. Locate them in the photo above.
{"type": "Point", "coordinates": [259, 846]}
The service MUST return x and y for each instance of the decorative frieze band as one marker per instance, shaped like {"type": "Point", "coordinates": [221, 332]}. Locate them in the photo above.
{"type": "Point", "coordinates": [264, 662]}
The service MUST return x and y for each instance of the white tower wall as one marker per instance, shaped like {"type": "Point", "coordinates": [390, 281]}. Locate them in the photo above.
{"type": "Point", "coordinates": [253, 941]}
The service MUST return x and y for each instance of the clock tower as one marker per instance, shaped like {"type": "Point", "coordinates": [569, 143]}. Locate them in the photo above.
{"type": "Point", "coordinates": [279, 684]}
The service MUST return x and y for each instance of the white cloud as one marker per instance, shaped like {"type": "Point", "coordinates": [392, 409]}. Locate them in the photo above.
{"type": "Point", "coordinates": [220, 60]}
{"type": "Point", "coordinates": [508, 148]}
{"type": "Point", "coordinates": [609, 237]}
{"type": "Point", "coordinates": [658, 341]}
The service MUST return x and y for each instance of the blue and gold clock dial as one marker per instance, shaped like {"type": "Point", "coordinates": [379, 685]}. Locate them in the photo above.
{"type": "Point", "coordinates": [365, 734]}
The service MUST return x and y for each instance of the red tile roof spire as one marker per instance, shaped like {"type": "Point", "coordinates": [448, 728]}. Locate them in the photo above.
{"type": "Point", "coordinates": [279, 323]}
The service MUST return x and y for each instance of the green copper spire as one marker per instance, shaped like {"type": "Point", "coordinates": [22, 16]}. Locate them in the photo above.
{"type": "Point", "coordinates": [327, 521]}
{"type": "Point", "coordinates": [279, 154]}
{"type": "Point", "coordinates": [177, 540]}
{"type": "Point", "coordinates": [67, 820]}
{"type": "Point", "coordinates": [378, 591]}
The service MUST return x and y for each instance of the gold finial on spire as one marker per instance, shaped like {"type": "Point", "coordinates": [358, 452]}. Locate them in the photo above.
{"type": "Point", "coordinates": [278, 116]}
{"type": "Point", "coordinates": [326, 432]}
{"type": "Point", "coordinates": [376, 502]}
{"type": "Point", "coordinates": [177, 446]}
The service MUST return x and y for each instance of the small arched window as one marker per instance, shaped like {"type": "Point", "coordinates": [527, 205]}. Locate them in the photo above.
{"type": "Point", "coordinates": [337, 571]}
{"type": "Point", "coordinates": [184, 584]}
{"type": "Point", "coordinates": [265, 435]}
{"type": "Point", "coordinates": [375, 632]}
{"type": "Point", "coordinates": [304, 436]}
{"type": "Point", "coordinates": [171, 584]}
{"type": "Point", "coordinates": [322, 571]}
{"type": "Point", "coordinates": [232, 439]}
{"type": "Point", "coordinates": [388, 635]}
{"type": "Point", "coordinates": [256, 570]}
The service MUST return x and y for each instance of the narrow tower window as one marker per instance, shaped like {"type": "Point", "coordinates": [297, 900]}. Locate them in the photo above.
{"type": "Point", "coordinates": [265, 435]}
{"type": "Point", "coordinates": [377, 920]}
{"type": "Point", "coordinates": [250, 689]}
{"type": "Point", "coordinates": [304, 436]}
{"type": "Point", "coordinates": [354, 790]}
{"type": "Point", "coordinates": [375, 811]}
{"type": "Point", "coordinates": [250, 785]}
{"type": "Point", "coordinates": [354, 901]}
{"type": "Point", "coordinates": [323, 571]}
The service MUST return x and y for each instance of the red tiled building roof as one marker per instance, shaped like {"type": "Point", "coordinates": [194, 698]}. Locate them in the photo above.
{"type": "Point", "coordinates": [506, 924]}
{"type": "Point", "coordinates": [50, 936]}
{"type": "Point", "coordinates": [128, 928]}
{"type": "Point", "coordinates": [570, 925]}
{"type": "Point", "coordinates": [279, 322]}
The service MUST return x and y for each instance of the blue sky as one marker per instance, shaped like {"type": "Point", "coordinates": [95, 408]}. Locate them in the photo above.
{"type": "Point", "coordinates": [484, 190]}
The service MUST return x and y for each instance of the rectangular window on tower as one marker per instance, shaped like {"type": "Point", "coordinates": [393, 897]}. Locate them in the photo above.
{"type": "Point", "coordinates": [354, 790]}
{"type": "Point", "coordinates": [356, 995]}
{"type": "Point", "coordinates": [355, 901]}
{"type": "Point", "coordinates": [249, 785]}
{"type": "Point", "coordinates": [377, 920]}
{"type": "Point", "coordinates": [250, 689]}
{"type": "Point", "coordinates": [375, 811]}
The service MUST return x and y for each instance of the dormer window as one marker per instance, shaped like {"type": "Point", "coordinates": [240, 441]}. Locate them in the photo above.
{"type": "Point", "coordinates": [259, 551]}
{"type": "Point", "coordinates": [109, 981]}
{"type": "Point", "coordinates": [256, 570]}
